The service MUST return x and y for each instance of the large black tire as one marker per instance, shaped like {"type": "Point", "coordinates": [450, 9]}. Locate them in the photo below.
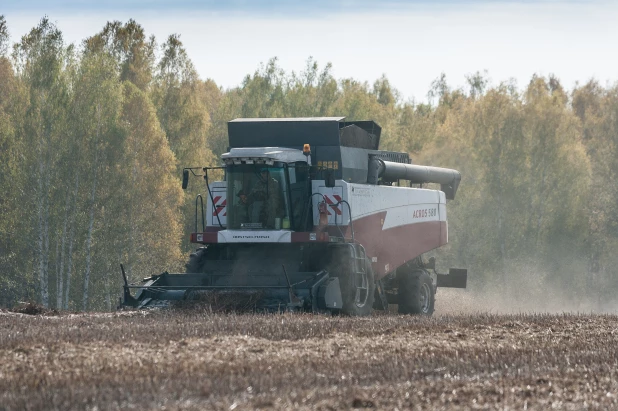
{"type": "Point", "coordinates": [196, 262]}
{"type": "Point", "coordinates": [416, 293]}
{"type": "Point", "coordinates": [354, 303]}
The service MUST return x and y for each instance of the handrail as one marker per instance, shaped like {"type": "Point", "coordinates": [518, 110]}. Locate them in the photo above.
{"type": "Point", "coordinates": [199, 196]}
{"type": "Point", "coordinates": [351, 223]}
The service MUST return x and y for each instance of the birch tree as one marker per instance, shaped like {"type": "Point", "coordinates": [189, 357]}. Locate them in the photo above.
{"type": "Point", "coordinates": [15, 281]}
{"type": "Point", "coordinates": [40, 57]}
{"type": "Point", "coordinates": [97, 105]}
{"type": "Point", "coordinates": [132, 50]}
{"type": "Point", "coordinates": [151, 191]}
{"type": "Point", "coordinates": [184, 119]}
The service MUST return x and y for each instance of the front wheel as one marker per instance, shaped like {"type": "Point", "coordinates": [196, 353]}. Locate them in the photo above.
{"type": "Point", "coordinates": [357, 285]}
{"type": "Point", "coordinates": [416, 293]}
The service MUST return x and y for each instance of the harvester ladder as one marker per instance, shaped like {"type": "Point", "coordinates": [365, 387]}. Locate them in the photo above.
{"type": "Point", "coordinates": [359, 272]}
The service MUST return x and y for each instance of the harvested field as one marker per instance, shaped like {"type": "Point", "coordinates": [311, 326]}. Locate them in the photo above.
{"type": "Point", "coordinates": [198, 360]}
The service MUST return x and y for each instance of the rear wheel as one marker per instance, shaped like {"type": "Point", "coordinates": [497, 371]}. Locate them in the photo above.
{"type": "Point", "coordinates": [416, 292]}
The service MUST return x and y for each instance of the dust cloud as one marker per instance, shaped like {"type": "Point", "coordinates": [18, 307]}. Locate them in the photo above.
{"type": "Point", "coordinates": [526, 291]}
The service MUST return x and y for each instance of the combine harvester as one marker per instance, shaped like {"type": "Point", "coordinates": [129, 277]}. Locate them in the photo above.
{"type": "Point", "coordinates": [312, 216]}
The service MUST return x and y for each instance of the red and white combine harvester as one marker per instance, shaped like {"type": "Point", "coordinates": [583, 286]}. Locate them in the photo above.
{"type": "Point", "coordinates": [312, 216]}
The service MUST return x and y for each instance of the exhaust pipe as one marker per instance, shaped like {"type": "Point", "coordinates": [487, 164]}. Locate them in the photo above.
{"type": "Point", "coordinates": [389, 171]}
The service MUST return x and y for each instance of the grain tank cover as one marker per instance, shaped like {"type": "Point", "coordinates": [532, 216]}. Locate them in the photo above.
{"type": "Point", "coordinates": [294, 132]}
{"type": "Point", "coordinates": [336, 144]}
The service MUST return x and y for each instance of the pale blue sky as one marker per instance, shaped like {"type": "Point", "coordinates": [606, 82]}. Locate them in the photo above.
{"type": "Point", "coordinates": [259, 6]}
{"type": "Point", "coordinates": [412, 42]}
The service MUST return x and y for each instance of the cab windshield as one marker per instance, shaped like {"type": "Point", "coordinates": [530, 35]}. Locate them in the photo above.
{"type": "Point", "coordinates": [257, 197]}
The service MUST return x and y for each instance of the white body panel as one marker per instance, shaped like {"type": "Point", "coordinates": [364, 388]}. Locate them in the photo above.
{"type": "Point", "coordinates": [402, 205]}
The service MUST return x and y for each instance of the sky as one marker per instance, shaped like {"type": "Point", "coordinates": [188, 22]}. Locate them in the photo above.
{"type": "Point", "coordinates": [411, 42]}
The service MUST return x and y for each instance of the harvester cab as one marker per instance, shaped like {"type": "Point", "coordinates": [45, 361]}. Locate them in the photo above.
{"type": "Point", "coordinates": [266, 188]}
{"type": "Point", "coordinates": [312, 216]}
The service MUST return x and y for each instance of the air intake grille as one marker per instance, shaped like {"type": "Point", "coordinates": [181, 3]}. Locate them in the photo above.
{"type": "Point", "coordinates": [392, 156]}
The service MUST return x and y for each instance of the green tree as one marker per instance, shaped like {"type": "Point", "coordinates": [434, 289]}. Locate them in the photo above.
{"type": "Point", "coordinates": [96, 110]}
{"type": "Point", "coordinates": [311, 93]}
{"type": "Point", "coordinates": [41, 57]}
{"type": "Point", "coordinates": [15, 281]}
{"type": "Point", "coordinates": [149, 190]}
{"type": "Point", "coordinates": [178, 97]}
{"type": "Point", "coordinates": [384, 93]}
{"type": "Point", "coordinates": [596, 108]}
{"type": "Point", "coordinates": [134, 53]}
{"type": "Point", "coordinates": [180, 106]}
{"type": "Point", "coordinates": [525, 177]}
{"type": "Point", "coordinates": [264, 91]}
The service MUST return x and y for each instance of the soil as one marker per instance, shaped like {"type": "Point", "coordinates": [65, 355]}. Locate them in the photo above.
{"type": "Point", "coordinates": [182, 359]}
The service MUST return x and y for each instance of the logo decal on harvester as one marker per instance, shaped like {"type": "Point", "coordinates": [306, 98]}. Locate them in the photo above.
{"type": "Point", "coordinates": [427, 212]}
{"type": "Point", "coordinates": [219, 209]}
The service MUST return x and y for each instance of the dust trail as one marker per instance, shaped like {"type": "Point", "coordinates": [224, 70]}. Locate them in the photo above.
{"type": "Point", "coordinates": [525, 292]}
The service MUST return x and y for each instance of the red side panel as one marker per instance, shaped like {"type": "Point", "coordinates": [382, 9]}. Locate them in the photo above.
{"type": "Point", "coordinates": [204, 238]}
{"type": "Point", "coordinates": [390, 248]}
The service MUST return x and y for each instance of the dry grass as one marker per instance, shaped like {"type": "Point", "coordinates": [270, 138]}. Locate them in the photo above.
{"type": "Point", "coordinates": [198, 360]}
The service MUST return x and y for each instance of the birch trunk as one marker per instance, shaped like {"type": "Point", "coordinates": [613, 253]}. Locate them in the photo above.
{"type": "Point", "coordinates": [541, 208]}
{"type": "Point", "coordinates": [67, 287]}
{"type": "Point", "coordinates": [131, 245]}
{"type": "Point", "coordinates": [108, 295]}
{"type": "Point", "coordinates": [42, 240]}
{"type": "Point", "coordinates": [39, 199]}
{"type": "Point", "coordinates": [57, 266]}
{"type": "Point", "coordinates": [90, 229]}
{"type": "Point", "coordinates": [60, 276]}
{"type": "Point", "coordinates": [502, 244]}
{"type": "Point", "coordinates": [71, 241]}
{"type": "Point", "coordinates": [91, 217]}
{"type": "Point", "coordinates": [46, 243]}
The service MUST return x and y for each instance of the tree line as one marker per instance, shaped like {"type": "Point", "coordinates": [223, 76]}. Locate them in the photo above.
{"type": "Point", "coordinates": [93, 137]}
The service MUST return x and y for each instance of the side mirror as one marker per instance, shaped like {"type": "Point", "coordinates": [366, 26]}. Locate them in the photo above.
{"type": "Point", "coordinates": [185, 178]}
{"type": "Point", "coordinates": [329, 178]}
